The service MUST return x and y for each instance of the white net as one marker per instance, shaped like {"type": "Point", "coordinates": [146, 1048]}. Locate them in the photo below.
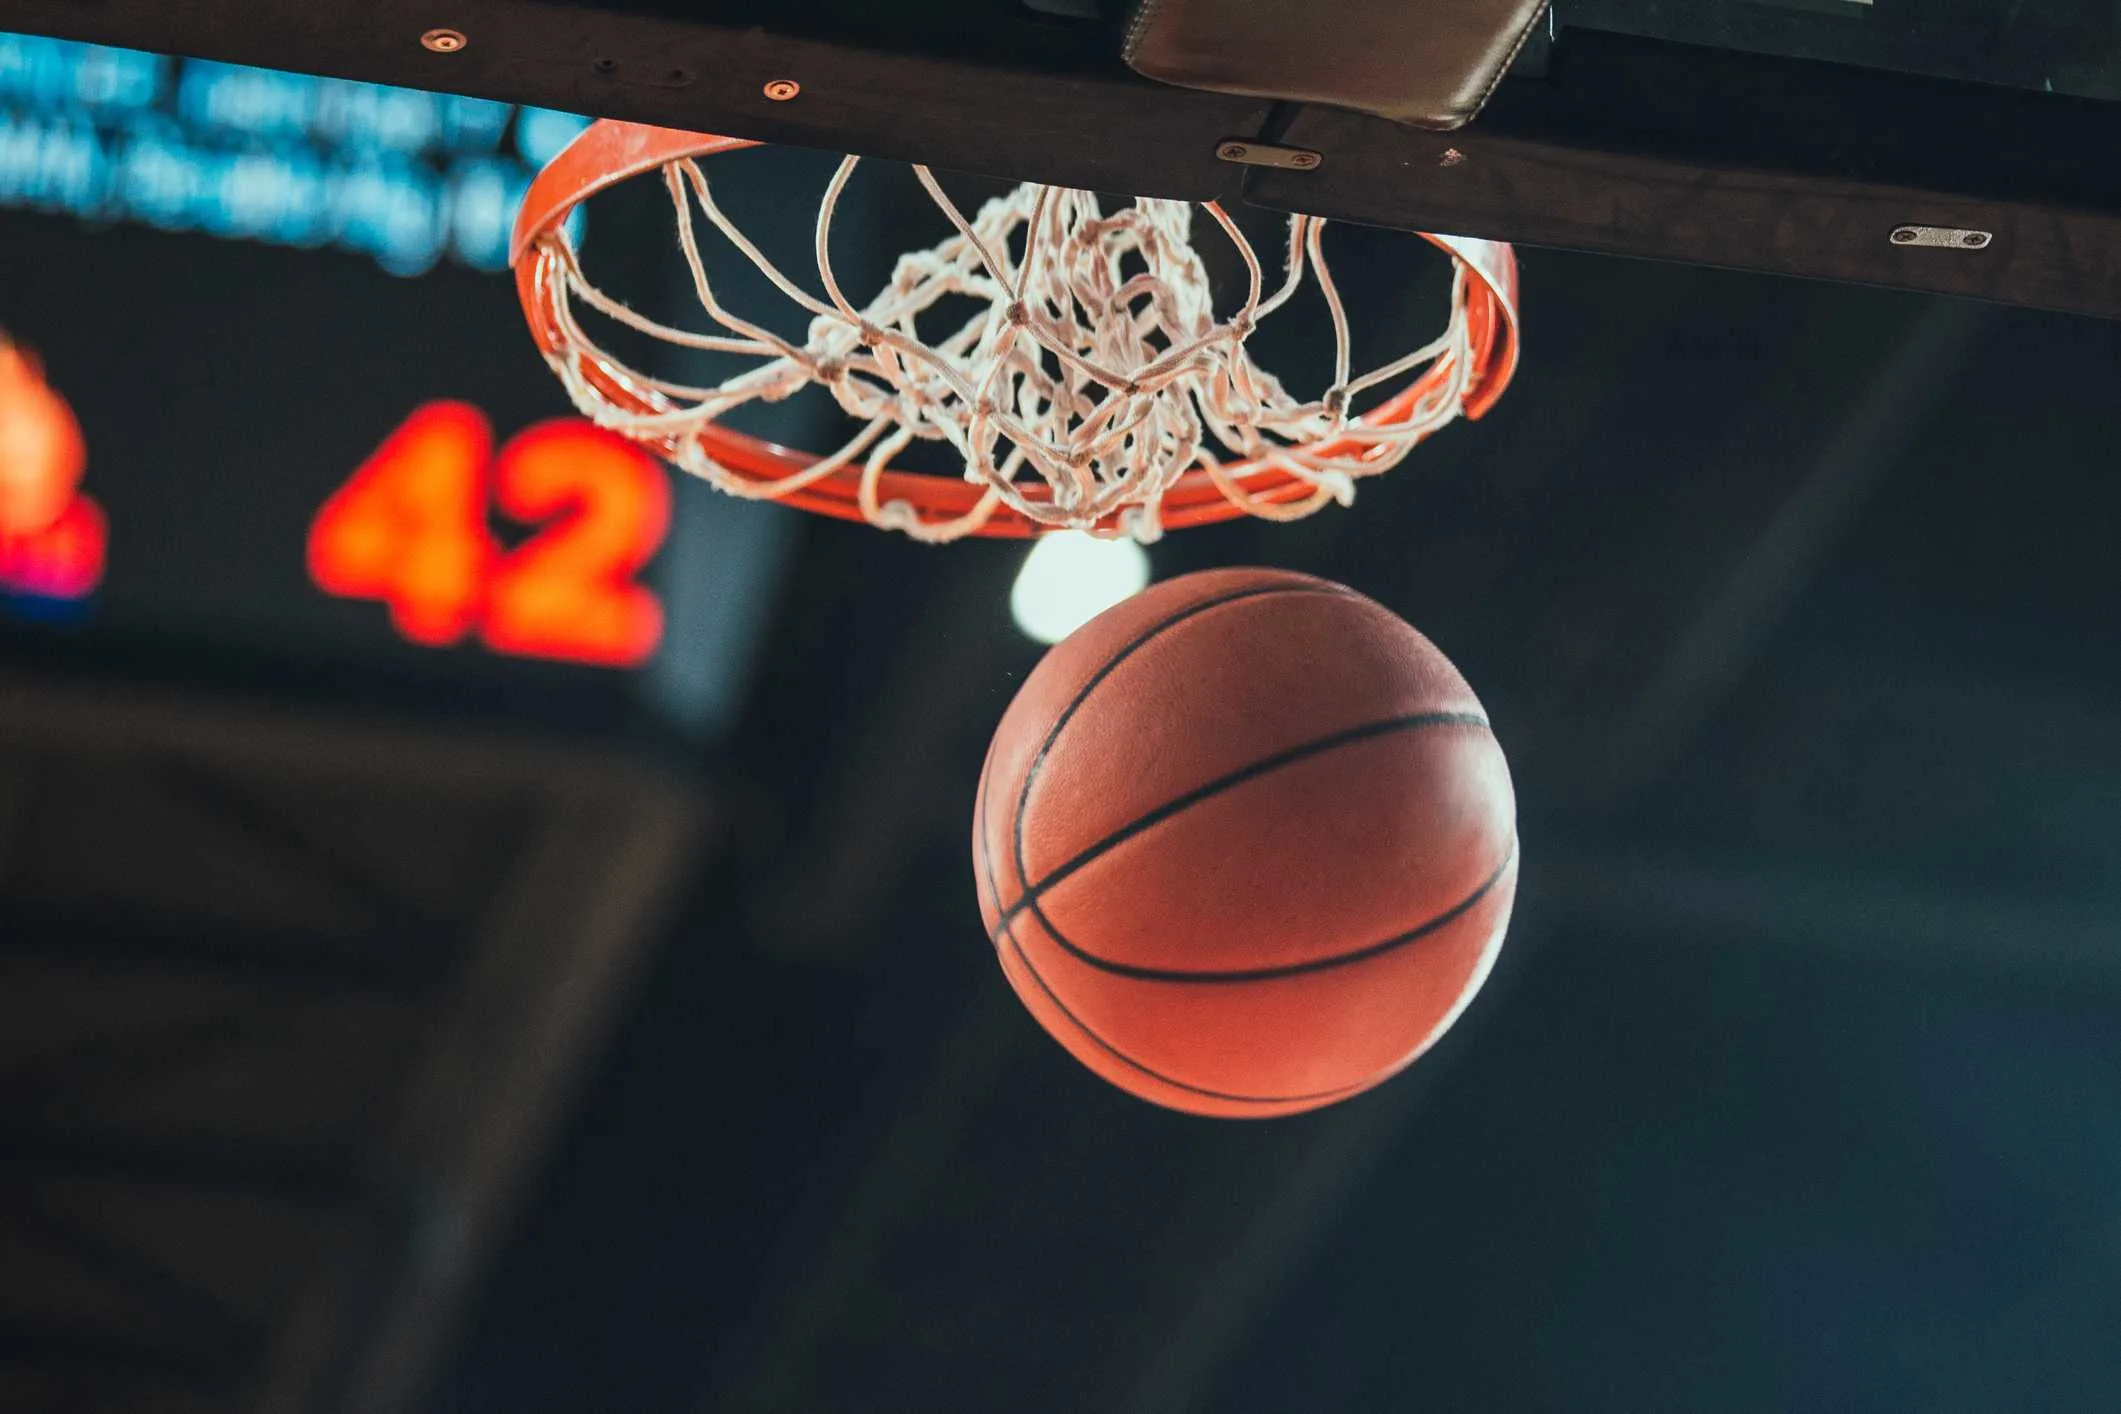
{"type": "Point", "coordinates": [1093, 374]}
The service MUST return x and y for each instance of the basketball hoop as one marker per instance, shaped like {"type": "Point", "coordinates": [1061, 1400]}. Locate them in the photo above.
{"type": "Point", "coordinates": [1081, 395]}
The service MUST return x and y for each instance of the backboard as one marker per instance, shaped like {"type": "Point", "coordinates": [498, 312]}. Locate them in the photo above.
{"type": "Point", "coordinates": [1956, 146]}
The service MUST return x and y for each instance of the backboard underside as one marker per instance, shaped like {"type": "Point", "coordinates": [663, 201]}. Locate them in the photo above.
{"type": "Point", "coordinates": [1792, 136]}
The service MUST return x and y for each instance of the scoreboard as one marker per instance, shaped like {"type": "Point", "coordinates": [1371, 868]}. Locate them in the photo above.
{"type": "Point", "coordinates": [411, 528]}
{"type": "Point", "coordinates": [312, 434]}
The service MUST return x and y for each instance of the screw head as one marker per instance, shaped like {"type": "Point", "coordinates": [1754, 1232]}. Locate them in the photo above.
{"type": "Point", "coordinates": [781, 90]}
{"type": "Point", "coordinates": [1303, 159]}
{"type": "Point", "coordinates": [1905, 235]}
{"type": "Point", "coordinates": [443, 41]}
{"type": "Point", "coordinates": [1232, 152]}
{"type": "Point", "coordinates": [1976, 239]}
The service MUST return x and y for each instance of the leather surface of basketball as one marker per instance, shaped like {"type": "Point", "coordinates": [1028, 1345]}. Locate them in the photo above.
{"type": "Point", "coordinates": [1245, 844]}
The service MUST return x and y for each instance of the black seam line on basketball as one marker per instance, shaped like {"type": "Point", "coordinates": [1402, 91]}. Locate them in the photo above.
{"type": "Point", "coordinates": [1291, 969]}
{"type": "Point", "coordinates": [1082, 694]}
{"type": "Point", "coordinates": [1091, 1035]}
{"type": "Point", "coordinates": [1412, 722]}
{"type": "Point", "coordinates": [994, 888]}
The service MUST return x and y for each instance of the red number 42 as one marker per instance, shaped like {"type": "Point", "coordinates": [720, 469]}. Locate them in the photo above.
{"type": "Point", "coordinates": [411, 528]}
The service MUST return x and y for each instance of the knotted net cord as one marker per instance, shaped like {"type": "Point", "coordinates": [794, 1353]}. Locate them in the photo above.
{"type": "Point", "coordinates": [1094, 373]}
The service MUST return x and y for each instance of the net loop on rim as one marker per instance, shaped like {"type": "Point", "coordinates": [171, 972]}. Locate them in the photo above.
{"type": "Point", "coordinates": [1094, 385]}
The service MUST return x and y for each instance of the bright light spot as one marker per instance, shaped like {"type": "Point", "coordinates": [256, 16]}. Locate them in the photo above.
{"type": "Point", "coordinates": [1071, 577]}
{"type": "Point", "coordinates": [541, 133]}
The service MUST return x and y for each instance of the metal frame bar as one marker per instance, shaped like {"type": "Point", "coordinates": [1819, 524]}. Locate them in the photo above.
{"type": "Point", "coordinates": [296, 1176]}
{"type": "Point", "coordinates": [160, 1047]}
{"type": "Point", "coordinates": [103, 1360]}
{"type": "Point", "coordinates": [193, 1316]}
{"type": "Point", "coordinates": [1623, 145]}
{"type": "Point", "coordinates": [76, 938]}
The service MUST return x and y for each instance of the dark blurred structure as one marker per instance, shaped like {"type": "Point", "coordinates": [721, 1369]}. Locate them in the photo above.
{"type": "Point", "coordinates": [288, 1004]}
{"type": "Point", "coordinates": [1794, 604]}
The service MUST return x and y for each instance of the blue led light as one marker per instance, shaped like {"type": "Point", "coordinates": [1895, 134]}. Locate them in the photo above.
{"type": "Point", "coordinates": [405, 177]}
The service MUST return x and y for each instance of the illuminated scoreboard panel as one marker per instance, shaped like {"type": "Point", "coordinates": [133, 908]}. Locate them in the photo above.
{"type": "Point", "coordinates": [408, 178]}
{"type": "Point", "coordinates": [284, 446]}
{"type": "Point", "coordinates": [294, 451]}
{"type": "Point", "coordinates": [412, 528]}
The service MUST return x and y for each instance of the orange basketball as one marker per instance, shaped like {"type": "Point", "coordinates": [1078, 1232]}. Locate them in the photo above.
{"type": "Point", "coordinates": [1245, 844]}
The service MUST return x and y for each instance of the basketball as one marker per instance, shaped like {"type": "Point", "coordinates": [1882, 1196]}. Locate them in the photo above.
{"type": "Point", "coordinates": [1245, 843]}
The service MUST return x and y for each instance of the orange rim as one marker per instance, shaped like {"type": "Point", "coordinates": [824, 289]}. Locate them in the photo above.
{"type": "Point", "coordinates": [609, 152]}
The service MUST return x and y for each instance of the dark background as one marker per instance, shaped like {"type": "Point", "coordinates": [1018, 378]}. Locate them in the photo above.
{"type": "Point", "coordinates": [1795, 606]}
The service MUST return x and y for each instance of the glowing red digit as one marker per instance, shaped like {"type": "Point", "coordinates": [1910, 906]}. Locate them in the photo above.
{"type": "Point", "coordinates": [409, 527]}
{"type": "Point", "coordinates": [64, 560]}
{"type": "Point", "coordinates": [569, 592]}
